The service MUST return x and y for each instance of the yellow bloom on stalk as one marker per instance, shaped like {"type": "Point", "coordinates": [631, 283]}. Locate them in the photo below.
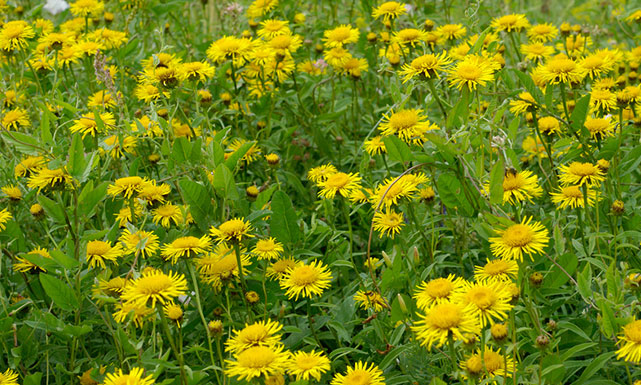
{"type": "Point", "coordinates": [111, 39]}
{"type": "Point", "coordinates": [446, 320]}
{"type": "Point", "coordinates": [562, 70]}
{"type": "Point", "coordinates": [304, 365]}
{"type": "Point", "coordinates": [361, 373]}
{"type": "Point", "coordinates": [140, 313]}
{"type": "Point", "coordinates": [23, 265]}
{"type": "Point", "coordinates": [278, 269]}
{"type": "Point", "coordinates": [195, 71]}
{"type": "Point", "coordinates": [472, 72]}
{"type": "Point", "coordinates": [525, 238]}
{"type": "Point", "coordinates": [166, 214]}
{"type": "Point", "coordinates": [388, 223]}
{"type": "Point", "coordinates": [572, 196]}
{"type": "Point", "coordinates": [15, 119]}
{"type": "Point", "coordinates": [5, 216]}
{"type": "Point", "coordinates": [155, 286]}
{"type": "Point", "coordinates": [496, 270]}
{"type": "Point", "coordinates": [233, 230]}
{"type": "Point", "coordinates": [451, 31]}
{"type": "Point", "coordinates": [523, 104]}
{"type": "Point", "coordinates": [321, 173]}
{"type": "Point", "coordinates": [389, 10]}
{"type": "Point", "coordinates": [509, 23]}
{"type": "Point", "coordinates": [267, 248]}
{"type": "Point", "coordinates": [410, 36]}
{"type": "Point", "coordinates": [488, 364]}
{"type": "Point", "coordinates": [306, 280]}
{"type": "Point", "coordinates": [258, 361]}
{"type": "Point", "coordinates": [185, 247]}
{"type": "Point", "coordinates": [102, 99]}
{"type": "Point", "coordinates": [339, 36]}
{"type": "Point", "coordinates": [231, 48]}
{"type": "Point", "coordinates": [100, 251]}
{"type": "Point", "coordinates": [46, 178]}
{"type": "Point", "coordinates": [339, 183]}
{"type": "Point", "coordinates": [578, 173]}
{"type": "Point", "coordinates": [87, 124]}
{"type": "Point", "coordinates": [410, 125]}
{"type": "Point", "coordinates": [260, 333]}
{"type": "Point", "coordinates": [148, 92]}
{"type": "Point", "coordinates": [392, 191]}
{"type": "Point", "coordinates": [437, 291]}
{"type": "Point", "coordinates": [630, 342]}
{"type": "Point", "coordinates": [221, 265]}
{"type": "Point", "coordinates": [124, 215]}
{"type": "Point", "coordinates": [369, 299]}
{"type": "Point", "coordinates": [285, 44]}
{"type": "Point", "coordinates": [600, 128]}
{"type": "Point", "coordinates": [598, 63]}
{"type": "Point", "coordinates": [519, 186]}
{"type": "Point", "coordinates": [603, 99]}
{"type": "Point", "coordinates": [542, 33]}
{"type": "Point", "coordinates": [9, 377]}
{"type": "Point", "coordinates": [258, 8]}
{"type": "Point", "coordinates": [87, 8]}
{"type": "Point", "coordinates": [353, 67]}
{"type": "Point", "coordinates": [634, 16]}
{"type": "Point", "coordinates": [14, 35]}
{"type": "Point", "coordinates": [173, 312]}
{"type": "Point", "coordinates": [273, 27]}
{"type": "Point", "coordinates": [12, 192]}
{"type": "Point", "coordinates": [126, 186]}
{"type": "Point", "coordinates": [537, 51]}
{"type": "Point", "coordinates": [488, 301]}
{"type": "Point", "coordinates": [426, 66]}
{"type": "Point", "coordinates": [375, 146]}
{"type": "Point", "coordinates": [549, 125]}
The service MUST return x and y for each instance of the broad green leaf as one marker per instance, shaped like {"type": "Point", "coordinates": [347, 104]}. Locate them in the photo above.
{"type": "Point", "coordinates": [594, 366]}
{"type": "Point", "coordinates": [284, 222]}
{"type": "Point", "coordinates": [60, 293]}
{"type": "Point", "coordinates": [397, 149]}
{"type": "Point", "coordinates": [224, 183]}
{"type": "Point", "coordinates": [529, 85]}
{"type": "Point", "coordinates": [22, 142]}
{"type": "Point", "coordinates": [76, 163]}
{"type": "Point", "coordinates": [90, 197]}
{"type": "Point", "coordinates": [237, 155]}
{"type": "Point", "coordinates": [585, 282]}
{"type": "Point", "coordinates": [496, 183]}
{"type": "Point", "coordinates": [199, 201]}
{"type": "Point", "coordinates": [63, 259]}
{"type": "Point", "coordinates": [451, 192]}
{"type": "Point", "coordinates": [52, 208]}
{"type": "Point", "coordinates": [557, 277]}
{"type": "Point", "coordinates": [579, 114]}
{"type": "Point", "coordinates": [608, 322]}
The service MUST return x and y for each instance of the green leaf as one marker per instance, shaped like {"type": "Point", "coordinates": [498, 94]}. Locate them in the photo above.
{"type": "Point", "coordinates": [450, 190]}
{"type": "Point", "coordinates": [45, 127]}
{"type": "Point", "coordinates": [90, 197]}
{"type": "Point", "coordinates": [224, 183]}
{"type": "Point", "coordinates": [52, 208]}
{"type": "Point", "coordinates": [392, 355]}
{"type": "Point", "coordinates": [199, 201]}
{"type": "Point", "coordinates": [397, 149]}
{"type": "Point", "coordinates": [459, 113]}
{"type": "Point", "coordinates": [595, 365]}
{"type": "Point", "coordinates": [608, 322]}
{"type": "Point", "coordinates": [557, 278]}
{"type": "Point", "coordinates": [45, 263]}
{"type": "Point", "coordinates": [585, 282]}
{"type": "Point", "coordinates": [60, 293]}
{"type": "Point", "coordinates": [283, 223]}
{"type": "Point", "coordinates": [529, 85]}
{"type": "Point", "coordinates": [479, 42]}
{"type": "Point", "coordinates": [76, 163]}
{"type": "Point", "coordinates": [32, 379]}
{"type": "Point", "coordinates": [579, 114]}
{"type": "Point", "coordinates": [496, 183]}
{"type": "Point", "coordinates": [22, 142]}
{"type": "Point", "coordinates": [63, 259]}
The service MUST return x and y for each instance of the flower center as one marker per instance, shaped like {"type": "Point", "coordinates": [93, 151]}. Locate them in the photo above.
{"type": "Point", "coordinates": [481, 297]}
{"type": "Point", "coordinates": [469, 71]}
{"type": "Point", "coordinates": [518, 235]}
{"type": "Point", "coordinates": [304, 275]}
{"type": "Point", "coordinates": [513, 182]}
{"type": "Point", "coordinates": [403, 119]}
{"type": "Point", "coordinates": [439, 288]}
{"type": "Point", "coordinates": [154, 284]}
{"type": "Point", "coordinates": [256, 358]}
{"type": "Point", "coordinates": [445, 316]}
{"type": "Point", "coordinates": [337, 181]}
{"type": "Point", "coordinates": [496, 267]}
{"type": "Point", "coordinates": [358, 377]}
{"type": "Point", "coordinates": [572, 192]}
{"type": "Point", "coordinates": [582, 169]}
{"type": "Point", "coordinates": [306, 362]}
{"type": "Point", "coordinates": [187, 243]}
{"type": "Point", "coordinates": [493, 361]}
{"type": "Point", "coordinates": [97, 248]}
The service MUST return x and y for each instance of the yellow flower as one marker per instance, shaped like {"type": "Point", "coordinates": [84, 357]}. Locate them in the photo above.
{"type": "Point", "coordinates": [285, 44]}
{"type": "Point", "coordinates": [572, 196]}
{"type": "Point", "coordinates": [389, 10]}
{"type": "Point", "coordinates": [321, 173]}
{"type": "Point", "coordinates": [25, 266]}
{"type": "Point", "coordinates": [519, 186]}
{"type": "Point", "coordinates": [339, 183]}
{"type": "Point", "coordinates": [451, 31]}
{"type": "Point", "coordinates": [196, 71]}
{"type": "Point", "coordinates": [127, 215]}
{"type": "Point", "coordinates": [577, 173]}
{"type": "Point", "coordinates": [260, 7]}
{"type": "Point", "coordinates": [306, 280]}
{"type": "Point", "coordinates": [603, 99]}
{"type": "Point", "coordinates": [542, 33]}
{"type": "Point", "coordinates": [167, 213]}
{"type": "Point", "coordinates": [15, 119]}
{"type": "Point", "coordinates": [549, 125]}
{"type": "Point", "coordinates": [497, 270]}
{"type": "Point", "coordinates": [509, 23]}
{"type": "Point", "coordinates": [173, 312]}
{"type": "Point", "coordinates": [221, 265]}
{"type": "Point", "coordinates": [51, 179]}
{"type": "Point", "coordinates": [562, 70]}
{"type": "Point", "coordinates": [278, 269]}
{"type": "Point", "coordinates": [185, 247]}
{"type": "Point", "coordinates": [86, 8]}
{"type": "Point", "coordinates": [260, 333]}
{"type": "Point", "coordinates": [488, 364]}
{"type": "Point", "coordinates": [446, 320]}
{"type": "Point", "coordinates": [388, 223]}
{"type": "Point", "coordinates": [9, 377]}
{"type": "Point", "coordinates": [368, 299]}
{"type": "Point", "coordinates": [5, 216]}
{"type": "Point", "coordinates": [410, 36]}
{"type": "Point", "coordinates": [489, 301]}
{"type": "Point", "coordinates": [537, 51]}
{"type": "Point", "coordinates": [522, 238]}
{"type": "Point", "coordinates": [339, 36]}
{"type": "Point", "coordinates": [353, 67]}
{"type": "Point", "coordinates": [437, 291]}
{"type": "Point", "coordinates": [267, 248]}
{"type": "Point", "coordinates": [100, 251]}
{"type": "Point", "coordinates": [360, 374]}
{"type": "Point", "coordinates": [12, 192]}
{"type": "Point", "coordinates": [140, 312]}
{"type": "Point", "coordinates": [155, 286]}
{"type": "Point", "coordinates": [392, 191]}
{"type": "Point", "coordinates": [230, 48]}
{"type": "Point", "coordinates": [233, 230]}
{"type": "Point", "coordinates": [630, 342]}
{"type": "Point", "coordinates": [126, 186]}
{"type": "Point", "coordinates": [425, 67]}
{"type": "Point", "coordinates": [523, 104]}
{"type": "Point", "coordinates": [14, 35]}
{"type": "Point", "coordinates": [304, 365]}
{"type": "Point", "coordinates": [375, 146]}
{"type": "Point", "coordinates": [600, 128]}
{"type": "Point", "coordinates": [88, 124]}
{"type": "Point", "coordinates": [410, 125]}
{"type": "Point", "coordinates": [272, 27]}
{"type": "Point", "coordinates": [258, 361]}
{"type": "Point", "coordinates": [472, 72]}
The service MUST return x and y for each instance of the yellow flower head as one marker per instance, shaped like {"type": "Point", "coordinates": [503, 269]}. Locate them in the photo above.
{"type": "Point", "coordinates": [261, 333]}
{"type": "Point", "coordinates": [186, 247]}
{"type": "Point", "coordinates": [389, 10]}
{"type": "Point", "coordinates": [306, 280]}
{"type": "Point", "coordinates": [258, 361]}
{"type": "Point", "coordinates": [304, 365]}
{"type": "Point", "coordinates": [100, 251]}
{"type": "Point", "coordinates": [155, 286]}
{"type": "Point", "coordinates": [437, 291]}
{"type": "Point", "coordinates": [361, 373]}
{"type": "Point", "coordinates": [446, 320]}
{"type": "Point", "coordinates": [630, 342]}
{"type": "Point", "coordinates": [488, 301]}
{"type": "Point", "coordinates": [525, 238]}
{"type": "Point", "coordinates": [233, 230]}
{"type": "Point", "coordinates": [267, 248]}
{"type": "Point", "coordinates": [425, 67]}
